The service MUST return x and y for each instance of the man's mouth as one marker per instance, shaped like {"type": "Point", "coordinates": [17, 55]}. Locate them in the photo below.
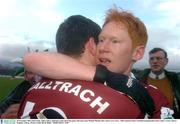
{"type": "Point", "coordinates": [104, 61]}
{"type": "Point", "coordinates": [155, 66]}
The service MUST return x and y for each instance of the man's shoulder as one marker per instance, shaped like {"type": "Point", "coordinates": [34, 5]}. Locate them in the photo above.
{"type": "Point", "coordinates": [141, 74]}
{"type": "Point", "coordinates": [170, 72]}
{"type": "Point", "coordinates": [173, 75]}
{"type": "Point", "coordinates": [157, 95]}
{"type": "Point", "coordinates": [160, 101]}
{"type": "Point", "coordinates": [153, 90]}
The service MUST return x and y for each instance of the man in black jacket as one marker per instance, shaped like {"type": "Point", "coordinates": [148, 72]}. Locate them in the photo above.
{"type": "Point", "coordinates": [167, 82]}
{"type": "Point", "coordinates": [10, 104]}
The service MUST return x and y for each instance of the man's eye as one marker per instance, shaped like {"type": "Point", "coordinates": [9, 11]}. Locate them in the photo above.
{"type": "Point", "coordinates": [115, 41]}
{"type": "Point", "coordinates": [101, 40]}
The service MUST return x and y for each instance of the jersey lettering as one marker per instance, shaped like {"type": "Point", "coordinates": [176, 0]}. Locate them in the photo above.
{"type": "Point", "coordinates": [102, 106]}
{"type": "Point", "coordinates": [48, 86]}
{"type": "Point", "coordinates": [75, 90]}
{"type": "Point", "coordinates": [65, 87]}
{"type": "Point", "coordinates": [76, 99]}
{"type": "Point", "coordinates": [85, 95]}
{"type": "Point", "coordinates": [57, 84]}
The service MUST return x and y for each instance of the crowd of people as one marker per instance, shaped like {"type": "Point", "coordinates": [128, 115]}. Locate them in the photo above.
{"type": "Point", "coordinates": [81, 80]}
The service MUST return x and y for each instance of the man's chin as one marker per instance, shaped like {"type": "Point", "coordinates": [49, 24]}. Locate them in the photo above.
{"type": "Point", "coordinates": [106, 65]}
{"type": "Point", "coordinates": [155, 70]}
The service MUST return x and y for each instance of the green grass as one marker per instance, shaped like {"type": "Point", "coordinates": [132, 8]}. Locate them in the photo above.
{"type": "Point", "coordinates": [7, 84]}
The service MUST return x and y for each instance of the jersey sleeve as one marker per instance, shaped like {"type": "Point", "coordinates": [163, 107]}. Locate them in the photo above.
{"type": "Point", "coordinates": [160, 102]}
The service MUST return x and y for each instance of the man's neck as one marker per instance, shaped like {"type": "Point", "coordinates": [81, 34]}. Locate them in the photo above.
{"type": "Point", "coordinates": [128, 71]}
{"type": "Point", "coordinates": [85, 62]}
{"type": "Point", "coordinates": [157, 76]}
{"type": "Point", "coordinates": [87, 58]}
{"type": "Point", "coordinates": [158, 72]}
{"type": "Point", "coordinates": [83, 59]}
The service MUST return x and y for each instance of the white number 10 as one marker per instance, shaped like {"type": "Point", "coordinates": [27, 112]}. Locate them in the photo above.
{"type": "Point", "coordinates": [27, 109]}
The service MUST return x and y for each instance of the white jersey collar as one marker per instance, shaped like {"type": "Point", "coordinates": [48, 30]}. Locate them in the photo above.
{"type": "Point", "coordinates": [154, 76]}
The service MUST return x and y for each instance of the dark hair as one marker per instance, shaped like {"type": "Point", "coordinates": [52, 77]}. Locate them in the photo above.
{"type": "Point", "coordinates": [73, 34]}
{"type": "Point", "coordinates": [154, 50]}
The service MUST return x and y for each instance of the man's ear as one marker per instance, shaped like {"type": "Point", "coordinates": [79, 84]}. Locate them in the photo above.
{"type": "Point", "coordinates": [91, 46]}
{"type": "Point", "coordinates": [166, 61]}
{"type": "Point", "coordinates": [138, 53]}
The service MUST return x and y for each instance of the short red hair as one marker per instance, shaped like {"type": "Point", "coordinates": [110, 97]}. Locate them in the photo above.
{"type": "Point", "coordinates": [134, 25]}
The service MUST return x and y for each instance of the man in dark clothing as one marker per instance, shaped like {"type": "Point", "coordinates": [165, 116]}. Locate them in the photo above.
{"type": "Point", "coordinates": [167, 82]}
{"type": "Point", "coordinates": [10, 104]}
{"type": "Point", "coordinates": [13, 99]}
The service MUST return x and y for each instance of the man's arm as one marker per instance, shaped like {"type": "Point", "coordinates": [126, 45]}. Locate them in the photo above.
{"type": "Point", "coordinates": [57, 66]}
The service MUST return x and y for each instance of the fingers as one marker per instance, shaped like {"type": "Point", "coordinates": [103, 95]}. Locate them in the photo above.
{"type": "Point", "coordinates": [11, 112]}
{"type": "Point", "coordinates": [9, 115]}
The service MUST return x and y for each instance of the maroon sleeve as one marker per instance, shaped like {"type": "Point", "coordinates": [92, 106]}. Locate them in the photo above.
{"type": "Point", "coordinates": [76, 99]}
{"type": "Point", "coordinates": [159, 100]}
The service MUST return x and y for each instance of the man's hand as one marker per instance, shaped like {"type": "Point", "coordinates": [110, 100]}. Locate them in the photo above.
{"type": "Point", "coordinates": [127, 85]}
{"type": "Point", "coordinates": [11, 112]}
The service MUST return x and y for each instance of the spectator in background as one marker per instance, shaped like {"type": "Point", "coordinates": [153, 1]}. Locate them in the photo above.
{"type": "Point", "coordinates": [10, 105]}
{"type": "Point", "coordinates": [167, 82]}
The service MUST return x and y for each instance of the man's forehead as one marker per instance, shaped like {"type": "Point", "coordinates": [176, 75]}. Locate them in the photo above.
{"type": "Point", "coordinates": [114, 29]}
{"type": "Point", "coordinates": [158, 54]}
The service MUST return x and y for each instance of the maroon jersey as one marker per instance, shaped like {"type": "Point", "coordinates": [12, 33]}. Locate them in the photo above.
{"type": "Point", "coordinates": [160, 102]}
{"type": "Point", "coordinates": [75, 99]}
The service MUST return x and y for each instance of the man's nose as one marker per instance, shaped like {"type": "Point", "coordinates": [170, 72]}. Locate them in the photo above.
{"type": "Point", "coordinates": [154, 60]}
{"type": "Point", "coordinates": [104, 46]}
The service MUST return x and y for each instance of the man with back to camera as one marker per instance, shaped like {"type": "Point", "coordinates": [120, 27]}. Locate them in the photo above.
{"type": "Point", "coordinates": [167, 82]}
{"type": "Point", "coordinates": [116, 36]}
